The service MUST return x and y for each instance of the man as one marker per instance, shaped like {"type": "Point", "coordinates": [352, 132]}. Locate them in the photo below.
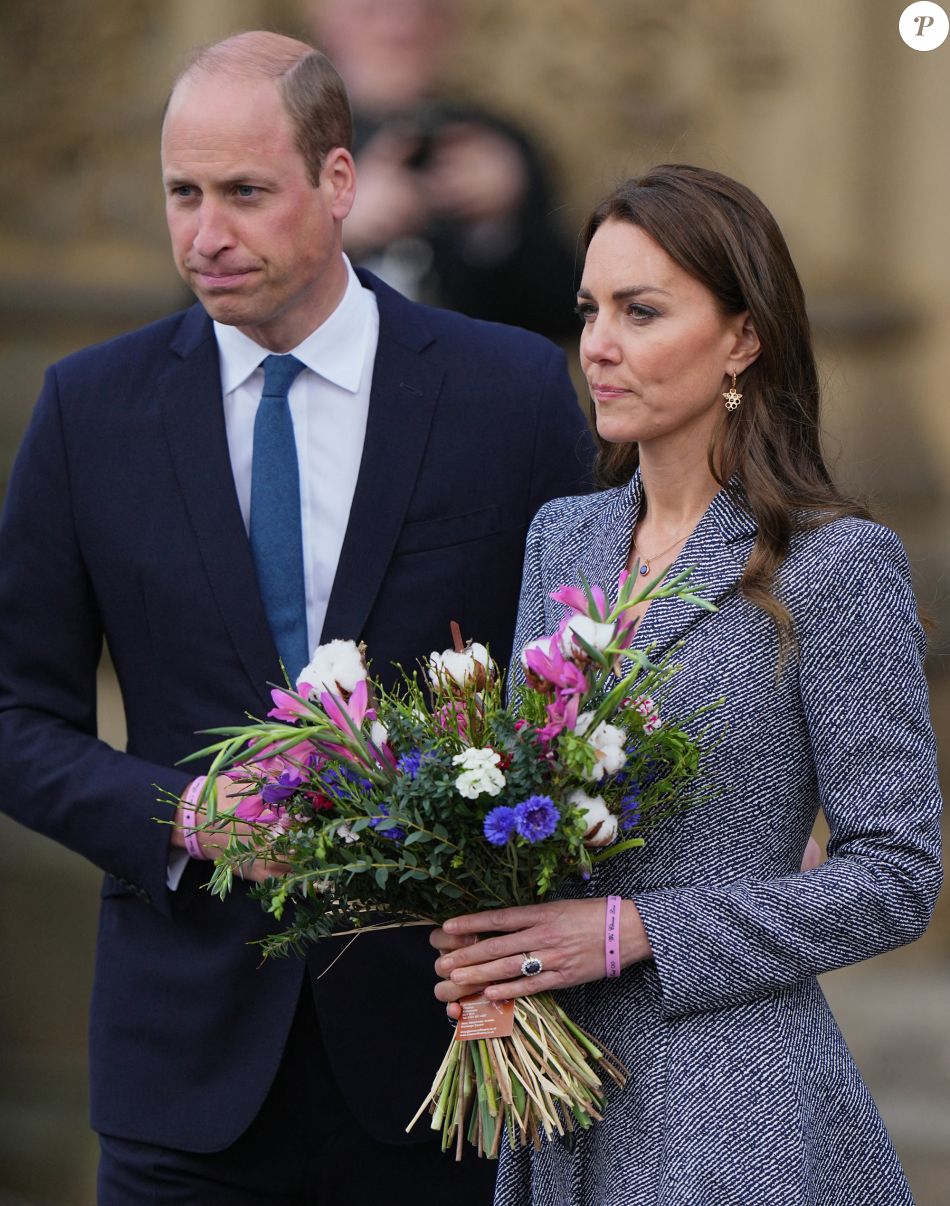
{"type": "Point", "coordinates": [422, 443]}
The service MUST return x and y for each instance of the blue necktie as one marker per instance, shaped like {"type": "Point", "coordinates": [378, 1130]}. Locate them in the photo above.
{"type": "Point", "coordinates": [275, 527]}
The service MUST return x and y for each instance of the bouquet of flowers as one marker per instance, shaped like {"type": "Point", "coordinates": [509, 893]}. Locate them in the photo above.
{"type": "Point", "coordinates": [411, 806]}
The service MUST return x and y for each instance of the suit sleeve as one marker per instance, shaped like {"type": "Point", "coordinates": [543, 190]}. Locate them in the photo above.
{"type": "Point", "coordinates": [56, 777]}
{"type": "Point", "coordinates": [563, 455]}
{"type": "Point", "coordinates": [865, 702]}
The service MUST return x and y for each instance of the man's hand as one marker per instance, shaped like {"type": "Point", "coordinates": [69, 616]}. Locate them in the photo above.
{"type": "Point", "coordinates": [213, 839]}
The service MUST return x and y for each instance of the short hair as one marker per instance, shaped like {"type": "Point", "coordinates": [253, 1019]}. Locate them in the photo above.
{"type": "Point", "coordinates": [310, 87]}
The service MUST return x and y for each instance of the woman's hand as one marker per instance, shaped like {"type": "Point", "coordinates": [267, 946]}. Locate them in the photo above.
{"type": "Point", "coordinates": [566, 935]}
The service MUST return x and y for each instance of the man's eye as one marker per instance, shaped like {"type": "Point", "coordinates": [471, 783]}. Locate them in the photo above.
{"type": "Point", "coordinates": [246, 190]}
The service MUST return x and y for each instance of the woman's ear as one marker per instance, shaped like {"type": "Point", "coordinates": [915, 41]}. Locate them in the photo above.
{"type": "Point", "coordinates": [746, 347]}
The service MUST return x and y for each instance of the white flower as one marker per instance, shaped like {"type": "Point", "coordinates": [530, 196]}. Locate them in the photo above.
{"type": "Point", "coordinates": [471, 665]}
{"type": "Point", "coordinates": [650, 713]}
{"type": "Point", "coordinates": [480, 774]}
{"type": "Point", "coordinates": [344, 831]}
{"type": "Point", "coordinates": [600, 822]}
{"type": "Point", "coordinates": [378, 733]}
{"type": "Point", "coordinates": [322, 885]}
{"type": "Point", "coordinates": [598, 635]}
{"type": "Point", "coordinates": [607, 741]}
{"type": "Point", "coordinates": [336, 667]}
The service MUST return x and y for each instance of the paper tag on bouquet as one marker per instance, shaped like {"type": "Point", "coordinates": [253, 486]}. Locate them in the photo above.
{"type": "Point", "coordinates": [482, 1018]}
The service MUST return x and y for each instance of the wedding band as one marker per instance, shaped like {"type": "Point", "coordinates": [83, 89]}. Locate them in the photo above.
{"type": "Point", "coordinates": [531, 966]}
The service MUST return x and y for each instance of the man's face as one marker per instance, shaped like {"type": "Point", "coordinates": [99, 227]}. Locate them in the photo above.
{"type": "Point", "coordinates": [255, 239]}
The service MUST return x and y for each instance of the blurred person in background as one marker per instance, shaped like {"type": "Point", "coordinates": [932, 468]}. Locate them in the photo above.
{"type": "Point", "coordinates": [455, 204]}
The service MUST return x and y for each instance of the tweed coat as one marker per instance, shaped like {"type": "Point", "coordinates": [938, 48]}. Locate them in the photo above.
{"type": "Point", "coordinates": [742, 1091]}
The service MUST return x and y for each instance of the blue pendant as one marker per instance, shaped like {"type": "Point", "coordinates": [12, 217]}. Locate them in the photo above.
{"type": "Point", "coordinates": [644, 569]}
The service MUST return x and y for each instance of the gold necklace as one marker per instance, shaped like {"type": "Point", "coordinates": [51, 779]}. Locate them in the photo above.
{"type": "Point", "coordinates": [645, 561]}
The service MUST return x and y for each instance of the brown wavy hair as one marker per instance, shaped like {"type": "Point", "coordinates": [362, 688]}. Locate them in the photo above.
{"type": "Point", "coordinates": [768, 452]}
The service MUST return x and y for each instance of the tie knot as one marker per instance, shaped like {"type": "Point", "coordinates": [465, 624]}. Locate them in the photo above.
{"type": "Point", "coordinates": [279, 374]}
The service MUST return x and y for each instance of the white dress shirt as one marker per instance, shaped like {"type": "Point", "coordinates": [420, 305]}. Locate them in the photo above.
{"type": "Point", "coordinates": [329, 406]}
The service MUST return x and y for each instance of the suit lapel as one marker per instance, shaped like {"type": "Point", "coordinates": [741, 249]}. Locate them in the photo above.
{"type": "Point", "coordinates": [193, 420]}
{"type": "Point", "coordinates": [403, 398]}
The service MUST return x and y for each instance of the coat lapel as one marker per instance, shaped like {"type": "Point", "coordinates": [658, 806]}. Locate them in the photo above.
{"type": "Point", "coordinates": [716, 552]}
{"type": "Point", "coordinates": [403, 398]}
{"type": "Point", "coordinates": [193, 419]}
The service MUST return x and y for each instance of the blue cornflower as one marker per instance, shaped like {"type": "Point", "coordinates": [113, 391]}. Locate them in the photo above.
{"type": "Point", "coordinates": [499, 825]}
{"type": "Point", "coordinates": [536, 818]}
{"type": "Point", "coordinates": [394, 832]}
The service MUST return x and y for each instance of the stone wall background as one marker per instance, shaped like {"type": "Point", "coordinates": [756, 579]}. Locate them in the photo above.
{"type": "Point", "coordinates": [819, 107]}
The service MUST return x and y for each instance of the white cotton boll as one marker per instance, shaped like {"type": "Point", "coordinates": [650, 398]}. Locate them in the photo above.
{"type": "Point", "coordinates": [600, 823]}
{"type": "Point", "coordinates": [336, 667]}
{"type": "Point", "coordinates": [598, 636]}
{"type": "Point", "coordinates": [607, 741]}
{"type": "Point", "coordinates": [469, 665]}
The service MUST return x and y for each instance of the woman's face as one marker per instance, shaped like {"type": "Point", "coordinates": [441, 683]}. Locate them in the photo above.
{"type": "Point", "coordinates": [655, 348]}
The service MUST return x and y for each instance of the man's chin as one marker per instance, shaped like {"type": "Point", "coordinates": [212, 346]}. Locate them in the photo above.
{"type": "Point", "coordinates": [227, 310]}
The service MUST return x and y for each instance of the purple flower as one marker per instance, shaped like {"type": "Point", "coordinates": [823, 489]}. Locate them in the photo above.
{"type": "Point", "coordinates": [536, 818]}
{"type": "Point", "coordinates": [286, 783]}
{"type": "Point", "coordinates": [335, 781]}
{"type": "Point", "coordinates": [409, 763]}
{"type": "Point", "coordinates": [394, 832]}
{"type": "Point", "coordinates": [500, 824]}
{"type": "Point", "coordinates": [630, 806]}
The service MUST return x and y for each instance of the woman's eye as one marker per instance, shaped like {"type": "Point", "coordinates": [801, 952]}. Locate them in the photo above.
{"type": "Point", "coordinates": [635, 310]}
{"type": "Point", "coordinates": [585, 311]}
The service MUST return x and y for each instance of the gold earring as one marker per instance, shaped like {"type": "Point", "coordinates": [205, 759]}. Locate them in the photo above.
{"type": "Point", "coordinates": [732, 396]}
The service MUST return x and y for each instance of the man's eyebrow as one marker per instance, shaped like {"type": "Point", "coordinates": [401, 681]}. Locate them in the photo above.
{"type": "Point", "coordinates": [624, 294]}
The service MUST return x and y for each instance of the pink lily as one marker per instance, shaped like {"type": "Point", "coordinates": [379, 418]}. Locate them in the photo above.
{"type": "Point", "coordinates": [353, 712]}
{"type": "Point", "coordinates": [290, 706]}
{"type": "Point", "coordinates": [553, 668]}
{"type": "Point", "coordinates": [576, 599]}
{"type": "Point", "coordinates": [562, 714]}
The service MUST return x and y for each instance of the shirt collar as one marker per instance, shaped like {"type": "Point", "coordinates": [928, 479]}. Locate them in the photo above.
{"type": "Point", "coordinates": [336, 350]}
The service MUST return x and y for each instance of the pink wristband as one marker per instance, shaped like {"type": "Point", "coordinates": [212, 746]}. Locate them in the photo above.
{"type": "Point", "coordinates": [189, 820]}
{"type": "Point", "coordinates": [612, 938]}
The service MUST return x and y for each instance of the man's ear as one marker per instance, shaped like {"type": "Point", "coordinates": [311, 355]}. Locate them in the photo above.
{"type": "Point", "coordinates": [338, 176]}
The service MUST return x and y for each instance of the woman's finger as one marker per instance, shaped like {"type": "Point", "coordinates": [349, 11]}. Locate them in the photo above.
{"type": "Point", "coordinates": [520, 917]}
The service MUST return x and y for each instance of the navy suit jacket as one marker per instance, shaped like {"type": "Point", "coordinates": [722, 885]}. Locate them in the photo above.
{"type": "Point", "coordinates": [122, 523]}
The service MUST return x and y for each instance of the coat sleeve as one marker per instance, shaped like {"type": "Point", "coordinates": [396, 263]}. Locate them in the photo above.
{"type": "Point", "coordinates": [56, 777]}
{"type": "Point", "coordinates": [865, 703]}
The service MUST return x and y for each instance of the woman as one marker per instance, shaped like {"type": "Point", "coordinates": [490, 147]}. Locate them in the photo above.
{"type": "Point", "coordinates": [696, 349]}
